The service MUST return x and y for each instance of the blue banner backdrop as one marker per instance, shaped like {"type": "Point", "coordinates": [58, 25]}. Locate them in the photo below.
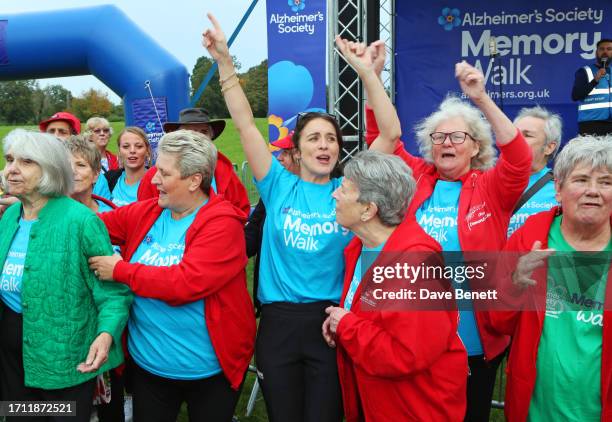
{"type": "Point", "coordinates": [149, 116]}
{"type": "Point", "coordinates": [296, 61]}
{"type": "Point", "coordinates": [541, 45]}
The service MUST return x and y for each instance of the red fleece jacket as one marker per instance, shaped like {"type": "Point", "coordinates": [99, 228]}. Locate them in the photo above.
{"type": "Point", "coordinates": [486, 203]}
{"type": "Point", "coordinates": [228, 185]}
{"type": "Point", "coordinates": [212, 268]}
{"type": "Point", "coordinates": [526, 328]}
{"type": "Point", "coordinates": [402, 365]}
{"type": "Point", "coordinates": [113, 163]}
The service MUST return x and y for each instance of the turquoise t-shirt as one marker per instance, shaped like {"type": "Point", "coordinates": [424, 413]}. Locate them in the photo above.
{"type": "Point", "coordinates": [169, 341]}
{"type": "Point", "coordinates": [124, 194]}
{"type": "Point", "coordinates": [542, 200]}
{"type": "Point", "coordinates": [101, 187]}
{"type": "Point", "coordinates": [12, 271]}
{"type": "Point", "coordinates": [568, 364]}
{"type": "Point", "coordinates": [366, 259]}
{"type": "Point", "coordinates": [438, 217]}
{"type": "Point", "coordinates": [302, 249]}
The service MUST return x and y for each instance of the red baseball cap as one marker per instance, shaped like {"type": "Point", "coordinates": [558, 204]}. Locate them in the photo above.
{"type": "Point", "coordinates": [70, 118]}
{"type": "Point", "coordinates": [284, 143]}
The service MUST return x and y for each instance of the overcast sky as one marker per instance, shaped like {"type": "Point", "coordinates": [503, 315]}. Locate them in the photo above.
{"type": "Point", "coordinates": [175, 24]}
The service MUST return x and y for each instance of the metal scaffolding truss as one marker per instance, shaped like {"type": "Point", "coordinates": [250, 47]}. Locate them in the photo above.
{"type": "Point", "coordinates": [359, 20]}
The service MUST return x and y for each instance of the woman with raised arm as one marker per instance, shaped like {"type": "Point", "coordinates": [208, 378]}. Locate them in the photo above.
{"type": "Point", "coordinates": [301, 258]}
{"type": "Point", "coordinates": [464, 200]}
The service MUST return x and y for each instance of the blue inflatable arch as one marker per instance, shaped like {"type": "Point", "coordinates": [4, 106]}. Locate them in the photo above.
{"type": "Point", "coordinates": [100, 41]}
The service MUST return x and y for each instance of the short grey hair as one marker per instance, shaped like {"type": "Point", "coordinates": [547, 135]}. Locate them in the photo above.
{"type": "Point", "coordinates": [80, 144]}
{"type": "Point", "coordinates": [384, 180]}
{"type": "Point", "coordinates": [587, 149]}
{"type": "Point", "coordinates": [478, 128]}
{"type": "Point", "coordinates": [553, 125]}
{"type": "Point", "coordinates": [195, 154]}
{"type": "Point", "coordinates": [49, 153]}
{"type": "Point", "coordinates": [92, 122]}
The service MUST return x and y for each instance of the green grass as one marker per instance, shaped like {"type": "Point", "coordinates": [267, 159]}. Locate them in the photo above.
{"type": "Point", "coordinates": [228, 143]}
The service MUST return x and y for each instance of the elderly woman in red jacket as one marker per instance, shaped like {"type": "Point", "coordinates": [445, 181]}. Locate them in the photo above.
{"type": "Point", "coordinates": [560, 364]}
{"type": "Point", "coordinates": [464, 200]}
{"type": "Point", "coordinates": [191, 331]}
{"type": "Point", "coordinates": [393, 364]}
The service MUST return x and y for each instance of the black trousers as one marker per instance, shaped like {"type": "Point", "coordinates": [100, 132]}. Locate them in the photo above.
{"type": "Point", "coordinates": [159, 399]}
{"type": "Point", "coordinates": [113, 411]}
{"type": "Point", "coordinates": [480, 386]}
{"type": "Point", "coordinates": [298, 372]}
{"type": "Point", "coordinates": [12, 380]}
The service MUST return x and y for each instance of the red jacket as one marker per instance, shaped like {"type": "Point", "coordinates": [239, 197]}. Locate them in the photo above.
{"type": "Point", "coordinates": [526, 329]}
{"type": "Point", "coordinates": [403, 365]}
{"type": "Point", "coordinates": [113, 163]}
{"type": "Point", "coordinates": [212, 268]}
{"type": "Point", "coordinates": [228, 185]}
{"type": "Point", "coordinates": [486, 203]}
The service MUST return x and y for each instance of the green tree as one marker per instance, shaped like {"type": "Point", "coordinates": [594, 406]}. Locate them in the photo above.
{"type": "Point", "coordinates": [256, 88]}
{"type": "Point", "coordinates": [16, 106]}
{"type": "Point", "coordinates": [49, 100]}
{"type": "Point", "coordinates": [211, 98]}
{"type": "Point", "coordinates": [92, 103]}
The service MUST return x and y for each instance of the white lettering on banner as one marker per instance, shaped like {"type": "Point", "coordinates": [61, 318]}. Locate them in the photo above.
{"type": "Point", "coordinates": [550, 15]}
{"type": "Point", "coordinates": [525, 45]}
{"type": "Point", "coordinates": [297, 23]}
{"type": "Point", "coordinates": [590, 317]}
{"type": "Point", "coordinates": [513, 74]}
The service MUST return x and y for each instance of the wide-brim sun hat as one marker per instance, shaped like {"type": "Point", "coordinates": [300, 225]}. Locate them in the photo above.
{"type": "Point", "coordinates": [195, 116]}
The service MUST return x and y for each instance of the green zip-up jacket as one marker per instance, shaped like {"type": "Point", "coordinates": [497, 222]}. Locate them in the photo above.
{"type": "Point", "coordinates": [65, 306]}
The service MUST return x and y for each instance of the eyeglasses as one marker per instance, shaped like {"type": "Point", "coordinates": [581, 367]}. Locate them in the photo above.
{"type": "Point", "coordinates": [457, 137]}
{"type": "Point", "coordinates": [99, 131]}
{"type": "Point", "coordinates": [313, 114]}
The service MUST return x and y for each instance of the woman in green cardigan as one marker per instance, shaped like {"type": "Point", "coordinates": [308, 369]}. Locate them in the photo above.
{"type": "Point", "coordinates": [59, 325]}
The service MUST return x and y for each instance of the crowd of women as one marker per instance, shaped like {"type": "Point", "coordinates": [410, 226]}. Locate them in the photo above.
{"type": "Point", "coordinates": [174, 298]}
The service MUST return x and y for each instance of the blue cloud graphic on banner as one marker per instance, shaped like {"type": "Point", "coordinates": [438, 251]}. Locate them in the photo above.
{"type": "Point", "coordinates": [290, 88]}
{"type": "Point", "coordinates": [450, 18]}
{"type": "Point", "coordinates": [297, 5]}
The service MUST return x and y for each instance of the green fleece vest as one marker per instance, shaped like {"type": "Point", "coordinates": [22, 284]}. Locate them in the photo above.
{"type": "Point", "coordinates": [65, 307]}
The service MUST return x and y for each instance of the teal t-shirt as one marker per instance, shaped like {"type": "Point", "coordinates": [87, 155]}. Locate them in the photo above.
{"type": "Point", "coordinates": [124, 194]}
{"type": "Point", "coordinates": [438, 217]}
{"type": "Point", "coordinates": [542, 200]}
{"type": "Point", "coordinates": [101, 187]}
{"type": "Point", "coordinates": [169, 341]}
{"type": "Point", "coordinates": [366, 259]}
{"type": "Point", "coordinates": [302, 248]}
{"type": "Point", "coordinates": [568, 365]}
{"type": "Point", "coordinates": [12, 271]}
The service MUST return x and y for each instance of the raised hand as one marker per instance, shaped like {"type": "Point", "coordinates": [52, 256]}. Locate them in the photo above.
{"type": "Point", "coordinates": [357, 54]}
{"type": "Point", "coordinates": [379, 54]}
{"type": "Point", "coordinates": [471, 80]}
{"type": "Point", "coordinates": [213, 39]}
{"type": "Point", "coordinates": [528, 263]}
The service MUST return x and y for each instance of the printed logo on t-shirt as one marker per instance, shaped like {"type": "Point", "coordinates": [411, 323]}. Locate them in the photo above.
{"type": "Point", "coordinates": [12, 273]}
{"type": "Point", "coordinates": [161, 256]}
{"type": "Point", "coordinates": [302, 231]}
{"type": "Point", "coordinates": [436, 221]}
